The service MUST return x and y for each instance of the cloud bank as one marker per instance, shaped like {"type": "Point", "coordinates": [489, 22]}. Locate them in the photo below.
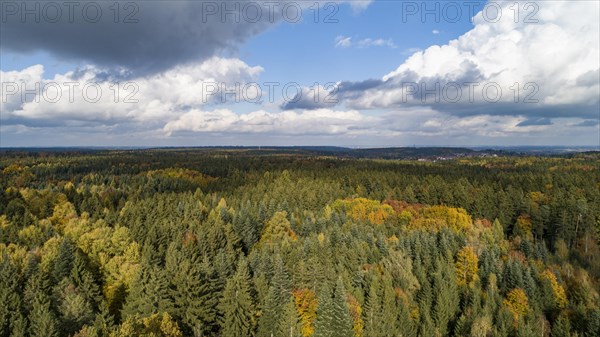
{"type": "Point", "coordinates": [547, 69]}
{"type": "Point", "coordinates": [555, 64]}
{"type": "Point", "coordinates": [144, 36]}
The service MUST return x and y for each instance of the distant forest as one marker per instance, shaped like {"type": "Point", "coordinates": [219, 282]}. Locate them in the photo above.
{"type": "Point", "coordinates": [299, 242]}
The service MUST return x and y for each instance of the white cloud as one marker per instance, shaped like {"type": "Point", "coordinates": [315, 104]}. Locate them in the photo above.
{"type": "Point", "coordinates": [151, 98]}
{"type": "Point", "coordinates": [343, 41]}
{"type": "Point", "coordinates": [424, 124]}
{"type": "Point", "coordinates": [359, 5]}
{"type": "Point", "coordinates": [560, 55]}
{"type": "Point", "coordinates": [305, 122]}
{"type": "Point", "coordinates": [346, 42]}
{"type": "Point", "coordinates": [365, 43]}
{"type": "Point", "coordinates": [435, 31]}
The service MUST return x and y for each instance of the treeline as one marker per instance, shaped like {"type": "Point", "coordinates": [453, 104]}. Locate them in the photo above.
{"type": "Point", "coordinates": [194, 243]}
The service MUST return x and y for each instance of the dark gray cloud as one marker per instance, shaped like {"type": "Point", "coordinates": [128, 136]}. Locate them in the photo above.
{"type": "Point", "coordinates": [313, 98]}
{"type": "Point", "coordinates": [147, 37]}
{"type": "Point", "coordinates": [589, 123]}
{"type": "Point", "coordinates": [330, 97]}
{"type": "Point", "coordinates": [462, 94]}
{"type": "Point", "coordinates": [590, 78]}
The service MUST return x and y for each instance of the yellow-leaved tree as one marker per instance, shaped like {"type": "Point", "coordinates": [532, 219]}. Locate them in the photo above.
{"type": "Point", "coordinates": [517, 303]}
{"type": "Point", "coordinates": [434, 218]}
{"type": "Point", "coordinates": [358, 324]}
{"type": "Point", "coordinates": [558, 292]}
{"type": "Point", "coordinates": [278, 231]}
{"type": "Point", "coordinates": [306, 305]}
{"type": "Point", "coordinates": [466, 266]}
{"type": "Point", "coordinates": [362, 209]}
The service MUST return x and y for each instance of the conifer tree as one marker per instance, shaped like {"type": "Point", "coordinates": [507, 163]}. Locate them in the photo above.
{"type": "Point", "coordinates": [149, 294]}
{"type": "Point", "coordinates": [290, 325]}
{"type": "Point", "coordinates": [561, 327]}
{"type": "Point", "coordinates": [342, 323]}
{"type": "Point", "coordinates": [277, 296]}
{"type": "Point", "coordinates": [10, 295]}
{"type": "Point", "coordinates": [372, 309]}
{"type": "Point", "coordinates": [446, 300]}
{"type": "Point", "coordinates": [196, 293]}
{"type": "Point", "coordinates": [18, 326]}
{"type": "Point", "coordinates": [333, 316]}
{"type": "Point", "coordinates": [323, 327]}
{"type": "Point", "coordinates": [42, 321]}
{"type": "Point", "coordinates": [388, 306]}
{"type": "Point", "coordinates": [64, 260]}
{"type": "Point", "coordinates": [237, 305]}
{"type": "Point", "coordinates": [268, 324]}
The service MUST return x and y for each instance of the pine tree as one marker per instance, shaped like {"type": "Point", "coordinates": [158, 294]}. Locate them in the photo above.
{"type": "Point", "coordinates": [277, 296]}
{"type": "Point", "coordinates": [196, 292]}
{"type": "Point", "coordinates": [323, 326]}
{"type": "Point", "coordinates": [42, 321]}
{"type": "Point", "coordinates": [64, 260]}
{"type": "Point", "coordinates": [372, 312]}
{"type": "Point", "coordinates": [446, 300]}
{"type": "Point", "coordinates": [10, 295]}
{"type": "Point", "coordinates": [149, 293]}
{"type": "Point", "coordinates": [342, 323]}
{"type": "Point", "coordinates": [290, 325]}
{"type": "Point", "coordinates": [561, 327]}
{"type": "Point", "coordinates": [333, 316]}
{"type": "Point", "coordinates": [237, 307]}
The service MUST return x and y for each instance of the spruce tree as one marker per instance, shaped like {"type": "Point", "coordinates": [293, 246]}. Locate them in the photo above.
{"type": "Point", "coordinates": [64, 260]}
{"type": "Point", "coordinates": [342, 323]}
{"type": "Point", "coordinates": [290, 321]}
{"type": "Point", "coordinates": [446, 299]}
{"type": "Point", "coordinates": [323, 322]}
{"type": "Point", "coordinates": [561, 327]}
{"type": "Point", "coordinates": [268, 324]}
{"type": "Point", "coordinates": [333, 316]}
{"type": "Point", "coordinates": [372, 311]}
{"type": "Point", "coordinates": [10, 294]}
{"type": "Point", "coordinates": [42, 320]}
{"type": "Point", "coordinates": [149, 293]}
{"type": "Point", "coordinates": [18, 326]}
{"type": "Point", "coordinates": [236, 306]}
{"type": "Point", "coordinates": [389, 310]}
{"type": "Point", "coordinates": [195, 291]}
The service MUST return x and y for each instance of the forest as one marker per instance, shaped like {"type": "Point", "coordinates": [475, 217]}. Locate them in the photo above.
{"type": "Point", "coordinates": [237, 243]}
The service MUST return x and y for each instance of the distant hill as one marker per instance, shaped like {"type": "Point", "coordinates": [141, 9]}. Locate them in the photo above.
{"type": "Point", "coordinates": [405, 153]}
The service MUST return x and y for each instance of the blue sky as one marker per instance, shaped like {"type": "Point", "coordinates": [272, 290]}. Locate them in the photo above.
{"type": "Point", "coordinates": [297, 43]}
{"type": "Point", "coordinates": [376, 52]}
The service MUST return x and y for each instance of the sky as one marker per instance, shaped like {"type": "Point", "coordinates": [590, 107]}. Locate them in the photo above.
{"type": "Point", "coordinates": [356, 73]}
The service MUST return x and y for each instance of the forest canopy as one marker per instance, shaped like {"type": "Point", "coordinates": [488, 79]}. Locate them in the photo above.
{"type": "Point", "coordinates": [176, 242]}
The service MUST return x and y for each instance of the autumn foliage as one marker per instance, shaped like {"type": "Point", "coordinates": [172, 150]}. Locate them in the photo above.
{"type": "Point", "coordinates": [466, 266]}
{"type": "Point", "coordinates": [306, 304]}
{"type": "Point", "coordinates": [361, 209]}
{"type": "Point", "coordinates": [558, 292]}
{"type": "Point", "coordinates": [435, 218]}
{"type": "Point", "coordinates": [517, 303]}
